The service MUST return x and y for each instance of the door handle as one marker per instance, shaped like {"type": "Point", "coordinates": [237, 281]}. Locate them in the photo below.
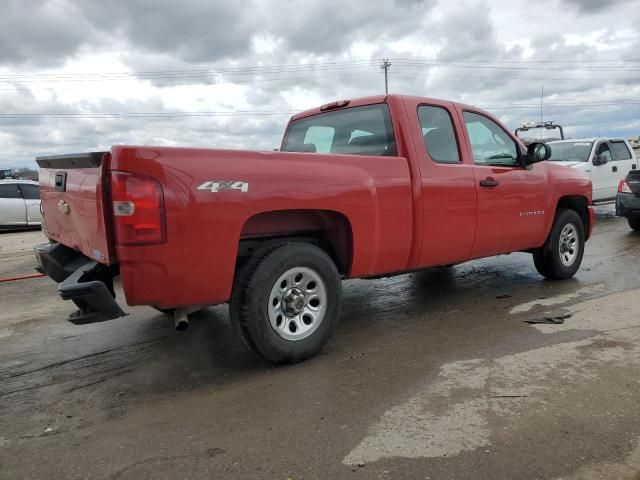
{"type": "Point", "coordinates": [489, 182]}
{"type": "Point", "coordinates": [614, 169]}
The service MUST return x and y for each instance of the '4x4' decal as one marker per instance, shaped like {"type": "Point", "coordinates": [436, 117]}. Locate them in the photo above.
{"type": "Point", "coordinates": [215, 186]}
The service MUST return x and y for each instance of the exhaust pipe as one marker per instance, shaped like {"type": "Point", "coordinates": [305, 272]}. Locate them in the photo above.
{"type": "Point", "coordinates": [181, 316]}
{"type": "Point", "coordinates": [182, 323]}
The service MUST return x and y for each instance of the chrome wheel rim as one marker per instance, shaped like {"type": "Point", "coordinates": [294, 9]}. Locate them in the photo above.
{"type": "Point", "coordinates": [297, 303]}
{"type": "Point", "coordinates": [569, 245]}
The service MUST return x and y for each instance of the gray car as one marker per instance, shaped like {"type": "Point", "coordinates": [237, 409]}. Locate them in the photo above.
{"type": "Point", "coordinates": [19, 204]}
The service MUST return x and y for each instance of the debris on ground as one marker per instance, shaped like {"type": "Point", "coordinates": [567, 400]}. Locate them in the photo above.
{"type": "Point", "coordinates": [554, 320]}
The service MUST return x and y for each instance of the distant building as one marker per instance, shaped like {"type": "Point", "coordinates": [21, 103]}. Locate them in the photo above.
{"type": "Point", "coordinates": [635, 143]}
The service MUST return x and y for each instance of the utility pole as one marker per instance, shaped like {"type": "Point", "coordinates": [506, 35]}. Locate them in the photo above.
{"type": "Point", "coordinates": [541, 103]}
{"type": "Point", "coordinates": [385, 66]}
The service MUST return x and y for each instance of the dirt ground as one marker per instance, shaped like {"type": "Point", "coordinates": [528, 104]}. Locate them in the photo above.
{"type": "Point", "coordinates": [431, 375]}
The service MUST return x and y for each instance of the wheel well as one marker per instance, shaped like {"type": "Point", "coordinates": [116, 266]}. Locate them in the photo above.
{"type": "Point", "coordinates": [329, 230]}
{"type": "Point", "coordinates": [580, 205]}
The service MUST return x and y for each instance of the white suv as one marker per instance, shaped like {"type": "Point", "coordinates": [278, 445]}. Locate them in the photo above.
{"type": "Point", "coordinates": [19, 204]}
{"type": "Point", "coordinates": [605, 161]}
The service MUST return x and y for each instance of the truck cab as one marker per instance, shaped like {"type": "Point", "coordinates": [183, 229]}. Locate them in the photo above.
{"type": "Point", "coordinates": [605, 161]}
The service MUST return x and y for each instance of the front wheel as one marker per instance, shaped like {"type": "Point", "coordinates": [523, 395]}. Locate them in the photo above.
{"type": "Point", "coordinates": [561, 255]}
{"type": "Point", "coordinates": [287, 304]}
{"type": "Point", "coordinates": [634, 223]}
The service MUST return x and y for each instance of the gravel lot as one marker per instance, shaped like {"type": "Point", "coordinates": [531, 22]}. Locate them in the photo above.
{"type": "Point", "coordinates": [430, 375]}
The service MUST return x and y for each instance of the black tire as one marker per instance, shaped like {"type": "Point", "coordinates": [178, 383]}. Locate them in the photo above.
{"type": "Point", "coordinates": [250, 301]}
{"type": "Point", "coordinates": [237, 299]}
{"type": "Point", "coordinates": [548, 258]}
{"type": "Point", "coordinates": [634, 223]}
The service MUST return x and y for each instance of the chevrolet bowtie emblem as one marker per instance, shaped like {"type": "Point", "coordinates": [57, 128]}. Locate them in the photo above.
{"type": "Point", "coordinates": [64, 207]}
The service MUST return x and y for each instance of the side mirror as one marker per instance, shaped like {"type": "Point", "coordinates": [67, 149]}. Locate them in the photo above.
{"type": "Point", "coordinates": [538, 152]}
{"type": "Point", "coordinates": [599, 160]}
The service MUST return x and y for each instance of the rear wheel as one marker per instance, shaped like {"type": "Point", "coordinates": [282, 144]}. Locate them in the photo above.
{"type": "Point", "coordinates": [561, 255]}
{"type": "Point", "coordinates": [634, 223]}
{"type": "Point", "coordinates": [286, 304]}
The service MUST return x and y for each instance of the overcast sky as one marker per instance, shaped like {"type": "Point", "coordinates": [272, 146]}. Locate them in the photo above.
{"type": "Point", "coordinates": [79, 75]}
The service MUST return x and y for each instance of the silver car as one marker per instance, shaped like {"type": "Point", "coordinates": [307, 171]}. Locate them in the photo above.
{"type": "Point", "coordinates": [19, 204]}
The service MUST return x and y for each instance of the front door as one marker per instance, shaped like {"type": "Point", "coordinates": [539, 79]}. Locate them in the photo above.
{"type": "Point", "coordinates": [512, 212]}
{"type": "Point", "coordinates": [603, 176]}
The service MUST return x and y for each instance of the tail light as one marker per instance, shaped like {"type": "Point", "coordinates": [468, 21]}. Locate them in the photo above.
{"type": "Point", "coordinates": [623, 187]}
{"type": "Point", "coordinates": [138, 209]}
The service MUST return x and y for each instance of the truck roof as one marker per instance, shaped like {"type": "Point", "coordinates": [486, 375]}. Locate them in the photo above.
{"type": "Point", "coordinates": [360, 101]}
{"type": "Point", "coordinates": [16, 180]}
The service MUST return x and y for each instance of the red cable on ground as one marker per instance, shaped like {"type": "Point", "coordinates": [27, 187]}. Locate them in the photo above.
{"type": "Point", "coordinates": [24, 277]}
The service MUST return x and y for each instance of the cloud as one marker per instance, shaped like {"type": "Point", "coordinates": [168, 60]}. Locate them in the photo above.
{"type": "Point", "coordinates": [191, 30]}
{"type": "Point", "coordinates": [594, 6]}
{"type": "Point", "coordinates": [41, 32]}
{"type": "Point", "coordinates": [285, 55]}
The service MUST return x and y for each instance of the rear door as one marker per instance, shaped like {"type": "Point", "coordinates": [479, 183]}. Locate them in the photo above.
{"type": "Point", "coordinates": [448, 186]}
{"type": "Point", "coordinates": [511, 199]}
{"type": "Point", "coordinates": [13, 212]}
{"type": "Point", "coordinates": [31, 195]}
{"type": "Point", "coordinates": [623, 158]}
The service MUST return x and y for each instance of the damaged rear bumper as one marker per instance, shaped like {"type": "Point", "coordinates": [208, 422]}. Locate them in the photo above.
{"type": "Point", "coordinates": [86, 282]}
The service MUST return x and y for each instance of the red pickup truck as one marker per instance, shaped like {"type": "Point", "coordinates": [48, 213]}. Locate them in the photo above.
{"type": "Point", "coordinates": [360, 188]}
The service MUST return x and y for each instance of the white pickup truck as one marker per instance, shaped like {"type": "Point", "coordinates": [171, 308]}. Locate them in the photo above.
{"type": "Point", "coordinates": [606, 161]}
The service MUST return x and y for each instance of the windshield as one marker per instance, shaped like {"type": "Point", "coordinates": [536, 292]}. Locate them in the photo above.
{"type": "Point", "coordinates": [570, 151]}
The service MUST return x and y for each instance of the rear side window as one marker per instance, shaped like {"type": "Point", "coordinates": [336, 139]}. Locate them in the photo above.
{"type": "Point", "coordinates": [619, 151]}
{"type": "Point", "coordinates": [353, 131]}
{"type": "Point", "coordinates": [30, 192]}
{"type": "Point", "coordinates": [437, 132]}
{"type": "Point", "coordinates": [9, 190]}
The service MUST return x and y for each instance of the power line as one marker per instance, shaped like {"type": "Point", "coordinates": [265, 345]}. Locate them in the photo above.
{"type": "Point", "coordinates": [92, 115]}
{"type": "Point", "coordinates": [118, 115]}
{"type": "Point", "coordinates": [525, 61]}
{"type": "Point", "coordinates": [462, 65]}
{"type": "Point", "coordinates": [240, 71]}
{"type": "Point", "coordinates": [603, 65]}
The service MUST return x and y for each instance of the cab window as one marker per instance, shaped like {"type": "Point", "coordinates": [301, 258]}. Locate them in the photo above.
{"type": "Point", "coordinates": [604, 151]}
{"type": "Point", "coordinates": [9, 190]}
{"type": "Point", "coordinates": [352, 131]}
{"type": "Point", "coordinates": [438, 134]}
{"type": "Point", "coordinates": [490, 144]}
{"type": "Point", "coordinates": [619, 150]}
{"type": "Point", "coordinates": [30, 192]}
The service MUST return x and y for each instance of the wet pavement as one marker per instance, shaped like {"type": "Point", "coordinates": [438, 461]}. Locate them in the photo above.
{"type": "Point", "coordinates": [432, 375]}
